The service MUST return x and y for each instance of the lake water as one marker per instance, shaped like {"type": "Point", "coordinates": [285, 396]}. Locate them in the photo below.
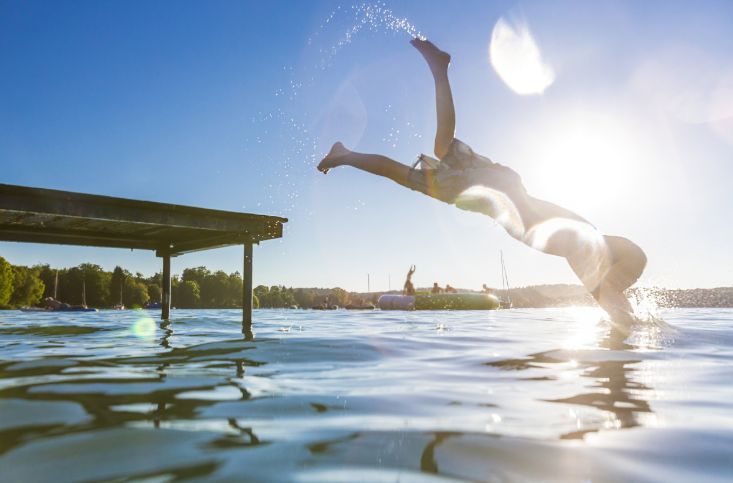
{"type": "Point", "coordinates": [513, 395]}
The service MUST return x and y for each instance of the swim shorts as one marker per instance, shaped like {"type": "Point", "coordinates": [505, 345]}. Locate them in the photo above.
{"type": "Point", "coordinates": [445, 179]}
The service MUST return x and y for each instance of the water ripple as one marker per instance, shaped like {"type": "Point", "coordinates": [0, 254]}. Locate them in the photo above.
{"type": "Point", "coordinates": [366, 396]}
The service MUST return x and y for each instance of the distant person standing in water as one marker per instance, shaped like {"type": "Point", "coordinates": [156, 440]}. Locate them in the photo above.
{"type": "Point", "coordinates": [409, 289]}
{"type": "Point", "coordinates": [436, 288]}
{"type": "Point", "coordinates": [606, 265]}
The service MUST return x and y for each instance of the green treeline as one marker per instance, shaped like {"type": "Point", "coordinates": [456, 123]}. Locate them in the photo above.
{"type": "Point", "coordinates": [282, 297]}
{"type": "Point", "coordinates": [27, 286]}
{"type": "Point", "coordinates": [195, 288]}
{"type": "Point", "coordinates": [19, 286]}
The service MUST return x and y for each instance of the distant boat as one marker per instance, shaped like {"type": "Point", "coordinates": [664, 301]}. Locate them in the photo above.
{"type": "Point", "coordinates": [325, 307]}
{"type": "Point", "coordinates": [120, 306]}
{"type": "Point", "coordinates": [62, 308]}
{"type": "Point", "coordinates": [59, 309]}
{"type": "Point", "coordinates": [154, 305]}
{"type": "Point", "coordinates": [54, 305]}
{"type": "Point", "coordinates": [33, 309]}
{"type": "Point", "coordinates": [83, 307]}
{"type": "Point", "coordinates": [75, 309]}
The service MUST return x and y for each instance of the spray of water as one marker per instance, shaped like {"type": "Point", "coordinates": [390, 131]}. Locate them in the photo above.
{"type": "Point", "coordinates": [291, 147]}
{"type": "Point", "coordinates": [652, 332]}
{"type": "Point", "coordinates": [648, 302]}
{"type": "Point", "coordinates": [370, 17]}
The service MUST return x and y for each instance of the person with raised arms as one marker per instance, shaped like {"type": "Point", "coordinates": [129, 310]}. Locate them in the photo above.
{"type": "Point", "coordinates": [409, 288]}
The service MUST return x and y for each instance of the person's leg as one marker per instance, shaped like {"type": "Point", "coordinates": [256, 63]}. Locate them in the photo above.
{"type": "Point", "coordinates": [371, 163]}
{"type": "Point", "coordinates": [438, 62]}
{"type": "Point", "coordinates": [629, 261]}
{"type": "Point", "coordinates": [616, 305]}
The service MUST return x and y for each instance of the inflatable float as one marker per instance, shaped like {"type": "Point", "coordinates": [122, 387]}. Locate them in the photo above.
{"type": "Point", "coordinates": [443, 301]}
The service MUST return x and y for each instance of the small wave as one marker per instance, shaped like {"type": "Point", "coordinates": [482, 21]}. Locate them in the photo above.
{"type": "Point", "coordinates": [51, 330]}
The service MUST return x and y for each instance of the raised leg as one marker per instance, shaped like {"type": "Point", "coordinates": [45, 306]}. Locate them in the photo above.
{"type": "Point", "coordinates": [438, 62]}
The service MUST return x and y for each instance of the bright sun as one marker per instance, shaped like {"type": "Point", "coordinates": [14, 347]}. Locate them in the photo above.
{"type": "Point", "coordinates": [589, 162]}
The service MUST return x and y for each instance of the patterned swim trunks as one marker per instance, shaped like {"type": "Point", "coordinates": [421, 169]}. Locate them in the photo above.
{"type": "Point", "coordinates": [459, 169]}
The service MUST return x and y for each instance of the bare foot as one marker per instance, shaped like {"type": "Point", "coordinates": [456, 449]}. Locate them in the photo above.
{"type": "Point", "coordinates": [333, 158]}
{"type": "Point", "coordinates": [436, 58]}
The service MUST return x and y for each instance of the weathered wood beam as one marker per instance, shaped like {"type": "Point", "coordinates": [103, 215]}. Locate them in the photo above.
{"type": "Point", "coordinates": [195, 245]}
{"type": "Point", "coordinates": [90, 240]}
{"type": "Point", "coordinates": [45, 201]}
{"type": "Point", "coordinates": [247, 290]}
{"type": "Point", "coordinates": [185, 240]}
{"type": "Point", "coordinates": [166, 289]}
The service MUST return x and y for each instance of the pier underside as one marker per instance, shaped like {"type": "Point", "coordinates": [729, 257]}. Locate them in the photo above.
{"type": "Point", "coordinates": [38, 215]}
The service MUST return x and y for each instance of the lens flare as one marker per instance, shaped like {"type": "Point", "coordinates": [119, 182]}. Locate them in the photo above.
{"type": "Point", "coordinates": [580, 242]}
{"type": "Point", "coordinates": [517, 59]}
{"type": "Point", "coordinates": [144, 328]}
{"type": "Point", "coordinates": [495, 204]}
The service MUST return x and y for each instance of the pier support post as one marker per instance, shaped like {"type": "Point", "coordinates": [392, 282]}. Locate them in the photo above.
{"type": "Point", "coordinates": [166, 302]}
{"type": "Point", "coordinates": [247, 290]}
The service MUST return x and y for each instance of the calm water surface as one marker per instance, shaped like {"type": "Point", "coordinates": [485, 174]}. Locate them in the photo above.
{"type": "Point", "coordinates": [514, 395]}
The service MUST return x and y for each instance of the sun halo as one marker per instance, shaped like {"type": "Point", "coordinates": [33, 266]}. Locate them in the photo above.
{"type": "Point", "coordinates": [585, 164]}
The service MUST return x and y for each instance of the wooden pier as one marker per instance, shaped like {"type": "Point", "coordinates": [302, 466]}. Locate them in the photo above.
{"type": "Point", "coordinates": [38, 215]}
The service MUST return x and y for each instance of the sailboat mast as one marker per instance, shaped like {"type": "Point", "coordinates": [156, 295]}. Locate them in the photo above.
{"type": "Point", "coordinates": [505, 278]}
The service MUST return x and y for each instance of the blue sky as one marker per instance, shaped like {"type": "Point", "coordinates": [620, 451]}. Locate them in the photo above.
{"type": "Point", "coordinates": [231, 104]}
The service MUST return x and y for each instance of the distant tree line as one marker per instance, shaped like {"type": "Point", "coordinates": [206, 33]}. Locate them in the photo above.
{"type": "Point", "coordinates": [281, 297]}
{"type": "Point", "coordinates": [22, 286]}
{"type": "Point", "coordinates": [19, 286]}
{"type": "Point", "coordinates": [197, 287]}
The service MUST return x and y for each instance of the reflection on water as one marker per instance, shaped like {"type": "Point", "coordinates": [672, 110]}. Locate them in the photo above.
{"type": "Point", "coordinates": [365, 396]}
{"type": "Point", "coordinates": [614, 389]}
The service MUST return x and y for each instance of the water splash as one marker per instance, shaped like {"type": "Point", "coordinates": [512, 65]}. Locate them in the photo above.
{"type": "Point", "coordinates": [652, 332]}
{"type": "Point", "coordinates": [648, 302]}
{"type": "Point", "coordinates": [287, 141]}
{"type": "Point", "coordinates": [371, 17]}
